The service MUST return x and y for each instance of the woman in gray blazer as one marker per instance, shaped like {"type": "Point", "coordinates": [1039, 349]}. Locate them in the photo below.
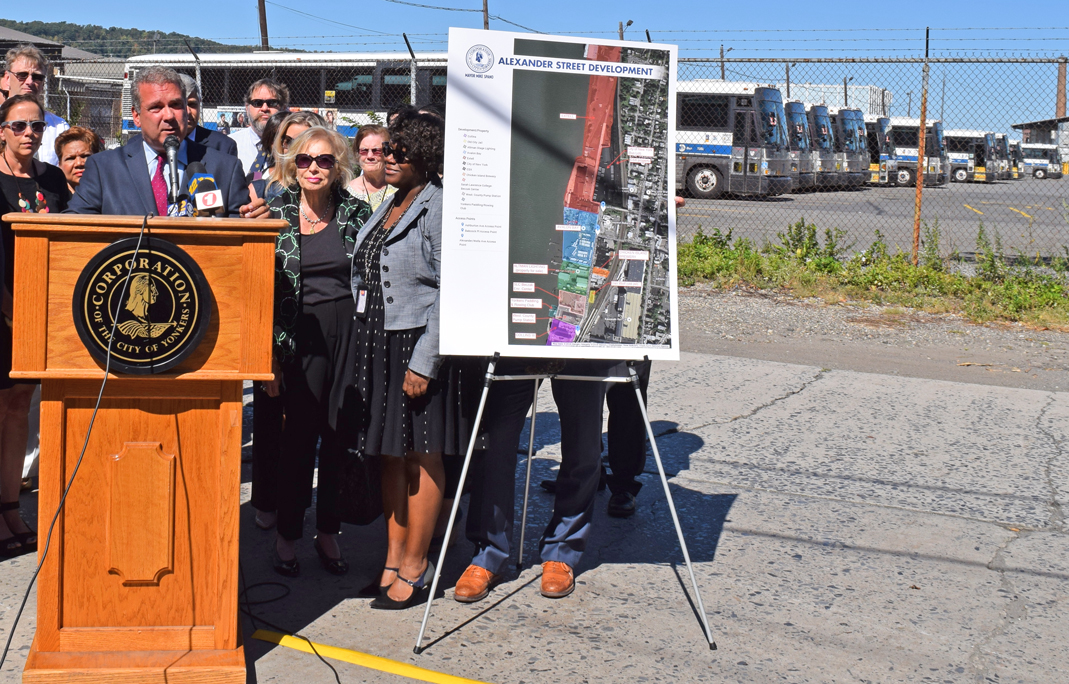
{"type": "Point", "coordinates": [407, 407]}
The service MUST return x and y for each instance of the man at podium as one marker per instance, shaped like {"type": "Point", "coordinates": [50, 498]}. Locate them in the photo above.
{"type": "Point", "coordinates": [131, 180]}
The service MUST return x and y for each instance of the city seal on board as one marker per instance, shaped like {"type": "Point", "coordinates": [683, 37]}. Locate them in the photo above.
{"type": "Point", "coordinates": [147, 306]}
{"type": "Point", "coordinates": [480, 59]}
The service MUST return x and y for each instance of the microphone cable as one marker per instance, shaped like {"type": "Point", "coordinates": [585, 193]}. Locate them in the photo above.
{"type": "Point", "coordinates": [85, 445]}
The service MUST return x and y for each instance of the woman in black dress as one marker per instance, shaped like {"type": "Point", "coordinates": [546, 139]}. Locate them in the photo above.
{"type": "Point", "coordinates": [409, 405]}
{"type": "Point", "coordinates": [26, 185]}
{"type": "Point", "coordinates": [313, 324]}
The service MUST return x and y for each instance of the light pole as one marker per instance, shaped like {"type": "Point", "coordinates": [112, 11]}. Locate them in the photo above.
{"type": "Point", "coordinates": [789, 65]}
{"type": "Point", "coordinates": [846, 94]}
{"type": "Point", "coordinates": [624, 27]}
{"type": "Point", "coordinates": [722, 53]}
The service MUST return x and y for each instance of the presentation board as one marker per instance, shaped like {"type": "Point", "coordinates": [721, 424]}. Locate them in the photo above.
{"type": "Point", "coordinates": [559, 211]}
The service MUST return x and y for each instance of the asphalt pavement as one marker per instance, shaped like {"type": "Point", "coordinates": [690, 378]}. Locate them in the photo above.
{"type": "Point", "coordinates": [1028, 215]}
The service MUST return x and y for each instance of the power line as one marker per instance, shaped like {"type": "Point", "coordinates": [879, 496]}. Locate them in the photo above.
{"type": "Point", "coordinates": [360, 28]}
{"type": "Point", "coordinates": [500, 18]}
{"type": "Point", "coordinates": [433, 7]}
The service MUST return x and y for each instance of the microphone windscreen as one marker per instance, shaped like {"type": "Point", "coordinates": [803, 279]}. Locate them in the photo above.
{"type": "Point", "coordinates": [172, 141]}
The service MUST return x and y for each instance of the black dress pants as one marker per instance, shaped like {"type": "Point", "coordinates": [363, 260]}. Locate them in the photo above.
{"type": "Point", "coordinates": [627, 433]}
{"type": "Point", "coordinates": [267, 415]}
{"type": "Point", "coordinates": [312, 380]}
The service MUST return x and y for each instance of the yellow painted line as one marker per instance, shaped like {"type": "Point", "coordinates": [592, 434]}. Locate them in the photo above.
{"type": "Point", "coordinates": [363, 659]}
{"type": "Point", "coordinates": [1020, 212]}
{"type": "Point", "coordinates": [974, 209]}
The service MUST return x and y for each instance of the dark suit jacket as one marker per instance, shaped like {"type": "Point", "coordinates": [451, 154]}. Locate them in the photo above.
{"type": "Point", "coordinates": [117, 181]}
{"type": "Point", "coordinates": [216, 141]}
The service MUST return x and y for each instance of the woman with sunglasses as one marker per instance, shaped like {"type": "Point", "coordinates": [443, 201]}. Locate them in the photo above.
{"type": "Point", "coordinates": [26, 185]}
{"type": "Point", "coordinates": [313, 324]}
{"type": "Point", "coordinates": [407, 395]}
{"type": "Point", "coordinates": [371, 185]}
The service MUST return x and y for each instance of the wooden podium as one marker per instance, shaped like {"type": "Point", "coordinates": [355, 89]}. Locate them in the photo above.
{"type": "Point", "coordinates": [141, 581]}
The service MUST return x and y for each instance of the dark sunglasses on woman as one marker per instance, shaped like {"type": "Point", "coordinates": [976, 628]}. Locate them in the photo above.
{"type": "Point", "coordinates": [19, 127]}
{"type": "Point", "coordinates": [393, 150]}
{"type": "Point", "coordinates": [323, 161]}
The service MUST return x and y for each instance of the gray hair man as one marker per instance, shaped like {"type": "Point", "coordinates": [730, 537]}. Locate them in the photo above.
{"type": "Point", "coordinates": [197, 133]}
{"type": "Point", "coordinates": [25, 71]}
{"type": "Point", "coordinates": [265, 98]}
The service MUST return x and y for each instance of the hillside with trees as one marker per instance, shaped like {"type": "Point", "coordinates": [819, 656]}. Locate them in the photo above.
{"type": "Point", "coordinates": [119, 42]}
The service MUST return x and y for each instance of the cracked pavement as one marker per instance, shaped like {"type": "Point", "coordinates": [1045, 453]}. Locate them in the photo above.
{"type": "Point", "coordinates": [844, 526]}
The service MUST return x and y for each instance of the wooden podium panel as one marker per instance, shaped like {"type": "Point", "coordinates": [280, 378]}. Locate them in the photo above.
{"type": "Point", "coordinates": [141, 581]}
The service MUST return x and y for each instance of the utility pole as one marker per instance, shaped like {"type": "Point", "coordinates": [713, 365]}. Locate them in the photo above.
{"type": "Point", "coordinates": [486, 16]}
{"type": "Point", "coordinates": [262, 7]}
{"type": "Point", "coordinates": [922, 166]}
{"type": "Point", "coordinates": [846, 94]}
{"type": "Point", "coordinates": [621, 30]}
{"type": "Point", "coordinates": [909, 104]}
{"type": "Point", "coordinates": [1059, 104]}
{"type": "Point", "coordinates": [722, 62]}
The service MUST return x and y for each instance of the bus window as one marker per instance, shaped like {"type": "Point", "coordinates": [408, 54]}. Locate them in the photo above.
{"type": "Point", "coordinates": [438, 86]}
{"type": "Point", "coordinates": [396, 88]}
{"type": "Point", "coordinates": [771, 122]}
{"type": "Point", "coordinates": [904, 138]}
{"type": "Point", "coordinates": [351, 89]}
{"type": "Point", "coordinates": [698, 111]}
{"type": "Point", "coordinates": [303, 84]}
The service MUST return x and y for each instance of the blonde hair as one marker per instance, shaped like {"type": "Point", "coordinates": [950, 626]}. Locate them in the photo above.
{"type": "Point", "coordinates": [343, 163]}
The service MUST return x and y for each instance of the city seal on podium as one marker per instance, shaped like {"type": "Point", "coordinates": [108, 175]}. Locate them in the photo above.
{"type": "Point", "coordinates": [158, 304]}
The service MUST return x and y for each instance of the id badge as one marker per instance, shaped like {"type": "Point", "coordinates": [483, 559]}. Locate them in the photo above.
{"type": "Point", "coordinates": [361, 304]}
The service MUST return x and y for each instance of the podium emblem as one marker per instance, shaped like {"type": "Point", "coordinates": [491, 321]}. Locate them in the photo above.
{"type": "Point", "coordinates": [158, 304]}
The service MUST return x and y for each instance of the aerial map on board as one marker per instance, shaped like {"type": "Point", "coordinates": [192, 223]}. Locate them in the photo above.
{"type": "Point", "coordinates": [587, 204]}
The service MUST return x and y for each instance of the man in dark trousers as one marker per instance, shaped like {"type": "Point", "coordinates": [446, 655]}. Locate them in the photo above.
{"type": "Point", "coordinates": [131, 180]}
{"type": "Point", "coordinates": [490, 520]}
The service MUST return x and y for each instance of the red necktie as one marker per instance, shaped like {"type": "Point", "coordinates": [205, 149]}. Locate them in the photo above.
{"type": "Point", "coordinates": [159, 187]}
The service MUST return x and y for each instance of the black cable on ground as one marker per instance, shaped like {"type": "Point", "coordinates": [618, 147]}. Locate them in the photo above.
{"type": "Point", "coordinates": [85, 445]}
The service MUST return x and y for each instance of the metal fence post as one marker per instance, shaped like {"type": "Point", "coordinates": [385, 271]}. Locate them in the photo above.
{"type": "Point", "coordinates": [922, 136]}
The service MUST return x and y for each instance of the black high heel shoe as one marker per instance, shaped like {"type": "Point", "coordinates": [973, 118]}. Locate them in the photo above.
{"type": "Point", "coordinates": [375, 590]}
{"type": "Point", "coordinates": [384, 602]}
{"type": "Point", "coordinates": [335, 566]}
{"type": "Point", "coordinates": [27, 540]}
{"type": "Point", "coordinates": [286, 568]}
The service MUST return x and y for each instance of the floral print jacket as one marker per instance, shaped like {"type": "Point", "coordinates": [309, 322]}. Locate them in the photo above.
{"type": "Point", "coordinates": [351, 214]}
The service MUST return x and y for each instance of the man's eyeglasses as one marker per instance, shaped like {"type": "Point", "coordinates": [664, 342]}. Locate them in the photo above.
{"type": "Point", "coordinates": [19, 127]}
{"type": "Point", "coordinates": [272, 103]}
{"type": "Point", "coordinates": [394, 150]}
{"type": "Point", "coordinates": [37, 76]}
{"type": "Point", "coordinates": [323, 161]}
{"type": "Point", "coordinates": [369, 151]}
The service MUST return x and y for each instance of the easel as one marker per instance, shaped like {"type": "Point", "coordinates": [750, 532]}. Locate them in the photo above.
{"type": "Point", "coordinates": [537, 379]}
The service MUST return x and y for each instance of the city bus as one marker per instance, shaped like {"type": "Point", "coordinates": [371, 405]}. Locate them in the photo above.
{"type": "Point", "coordinates": [851, 144]}
{"type": "Point", "coordinates": [1016, 162]}
{"type": "Point", "coordinates": [825, 160]}
{"type": "Point", "coordinates": [731, 137]}
{"type": "Point", "coordinates": [801, 148]}
{"type": "Point", "coordinates": [1002, 153]}
{"type": "Point", "coordinates": [972, 156]}
{"type": "Point", "coordinates": [350, 89]}
{"type": "Point", "coordinates": [1041, 161]}
{"type": "Point", "coordinates": [883, 159]}
{"type": "Point", "coordinates": [936, 166]}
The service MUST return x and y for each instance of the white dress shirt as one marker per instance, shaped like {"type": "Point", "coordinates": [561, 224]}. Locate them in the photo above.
{"type": "Point", "coordinates": [152, 157]}
{"type": "Point", "coordinates": [248, 146]}
{"type": "Point", "coordinates": [53, 127]}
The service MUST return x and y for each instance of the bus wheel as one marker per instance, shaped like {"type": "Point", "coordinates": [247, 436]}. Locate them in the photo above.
{"type": "Point", "coordinates": [705, 182]}
{"type": "Point", "coordinates": [1040, 174]}
{"type": "Point", "coordinates": [904, 177]}
{"type": "Point", "coordinates": [961, 175]}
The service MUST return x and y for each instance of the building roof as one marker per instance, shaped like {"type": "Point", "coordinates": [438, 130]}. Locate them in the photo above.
{"type": "Point", "coordinates": [9, 38]}
{"type": "Point", "coordinates": [14, 36]}
{"type": "Point", "coordinates": [1041, 123]}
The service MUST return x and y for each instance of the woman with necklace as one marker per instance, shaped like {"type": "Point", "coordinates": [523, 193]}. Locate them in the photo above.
{"type": "Point", "coordinates": [407, 400]}
{"type": "Point", "coordinates": [30, 186]}
{"type": "Point", "coordinates": [371, 185]}
{"type": "Point", "coordinates": [313, 324]}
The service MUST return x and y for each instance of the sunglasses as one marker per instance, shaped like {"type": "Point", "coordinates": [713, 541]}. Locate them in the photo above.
{"type": "Point", "coordinates": [19, 127]}
{"type": "Point", "coordinates": [272, 103]}
{"type": "Point", "coordinates": [323, 161]}
{"type": "Point", "coordinates": [37, 76]}
{"type": "Point", "coordinates": [370, 151]}
{"type": "Point", "coordinates": [395, 151]}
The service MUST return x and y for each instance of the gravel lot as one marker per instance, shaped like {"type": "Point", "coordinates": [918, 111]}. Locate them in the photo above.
{"type": "Point", "coordinates": [856, 336]}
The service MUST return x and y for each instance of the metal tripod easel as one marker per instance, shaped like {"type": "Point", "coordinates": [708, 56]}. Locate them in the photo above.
{"type": "Point", "coordinates": [490, 378]}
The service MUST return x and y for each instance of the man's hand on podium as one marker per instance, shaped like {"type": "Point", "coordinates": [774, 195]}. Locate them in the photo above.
{"type": "Point", "coordinates": [254, 209]}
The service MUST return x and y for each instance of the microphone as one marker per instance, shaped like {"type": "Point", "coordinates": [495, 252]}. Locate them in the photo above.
{"type": "Point", "coordinates": [171, 144]}
{"type": "Point", "coordinates": [201, 186]}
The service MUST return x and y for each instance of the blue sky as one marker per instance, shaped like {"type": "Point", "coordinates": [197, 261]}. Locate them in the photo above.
{"type": "Point", "coordinates": [831, 28]}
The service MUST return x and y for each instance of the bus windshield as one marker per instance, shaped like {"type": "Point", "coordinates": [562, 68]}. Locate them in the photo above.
{"type": "Point", "coordinates": [822, 132]}
{"type": "Point", "coordinates": [989, 146]}
{"type": "Point", "coordinates": [846, 125]}
{"type": "Point", "coordinates": [771, 126]}
{"type": "Point", "coordinates": [858, 122]}
{"type": "Point", "coordinates": [937, 129]}
{"type": "Point", "coordinates": [887, 143]}
{"type": "Point", "coordinates": [797, 129]}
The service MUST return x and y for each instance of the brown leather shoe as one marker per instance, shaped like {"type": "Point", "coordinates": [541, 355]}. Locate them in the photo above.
{"type": "Point", "coordinates": [557, 579]}
{"type": "Point", "coordinates": [475, 584]}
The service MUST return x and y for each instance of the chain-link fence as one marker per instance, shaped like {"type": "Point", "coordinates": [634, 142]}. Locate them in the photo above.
{"type": "Point", "coordinates": [761, 142]}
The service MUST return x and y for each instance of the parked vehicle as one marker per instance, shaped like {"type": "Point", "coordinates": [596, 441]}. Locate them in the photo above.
{"type": "Point", "coordinates": [1002, 153]}
{"type": "Point", "coordinates": [972, 156]}
{"type": "Point", "coordinates": [801, 148]}
{"type": "Point", "coordinates": [1041, 161]}
{"type": "Point", "coordinates": [936, 165]}
{"type": "Point", "coordinates": [1016, 160]}
{"type": "Point", "coordinates": [826, 164]}
{"type": "Point", "coordinates": [851, 144]}
{"type": "Point", "coordinates": [731, 137]}
{"type": "Point", "coordinates": [883, 158]}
